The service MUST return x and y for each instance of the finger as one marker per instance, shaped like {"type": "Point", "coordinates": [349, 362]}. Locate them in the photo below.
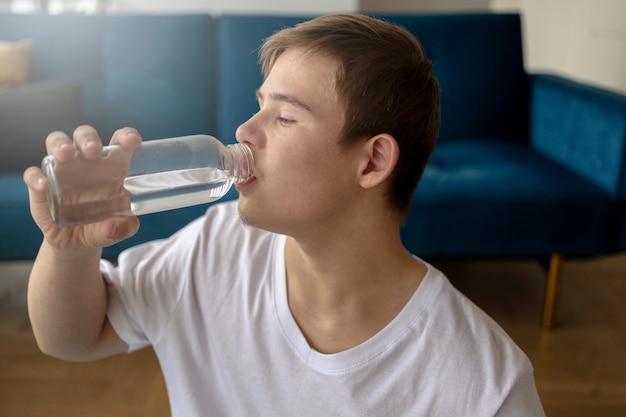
{"type": "Point", "coordinates": [60, 146]}
{"type": "Point", "coordinates": [127, 137]}
{"type": "Point", "coordinates": [87, 141]}
{"type": "Point", "coordinates": [37, 187]}
{"type": "Point", "coordinates": [35, 179]}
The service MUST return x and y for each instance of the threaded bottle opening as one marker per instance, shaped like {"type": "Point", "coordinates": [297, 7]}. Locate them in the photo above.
{"type": "Point", "coordinates": [242, 162]}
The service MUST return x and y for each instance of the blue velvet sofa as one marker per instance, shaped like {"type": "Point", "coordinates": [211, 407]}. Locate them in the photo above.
{"type": "Point", "coordinates": [527, 165]}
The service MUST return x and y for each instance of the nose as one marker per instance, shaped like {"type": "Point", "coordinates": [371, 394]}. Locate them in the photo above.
{"type": "Point", "coordinates": [246, 133]}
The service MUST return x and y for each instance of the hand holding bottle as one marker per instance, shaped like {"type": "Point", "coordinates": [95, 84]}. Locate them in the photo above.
{"type": "Point", "coordinates": [80, 161]}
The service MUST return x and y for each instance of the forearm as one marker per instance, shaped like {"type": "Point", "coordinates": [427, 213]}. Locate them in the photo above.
{"type": "Point", "coordinates": [67, 301]}
{"type": "Point", "coordinates": [67, 297]}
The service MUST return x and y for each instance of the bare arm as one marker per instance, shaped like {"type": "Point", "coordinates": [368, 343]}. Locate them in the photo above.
{"type": "Point", "coordinates": [67, 297]}
{"type": "Point", "coordinates": [67, 304]}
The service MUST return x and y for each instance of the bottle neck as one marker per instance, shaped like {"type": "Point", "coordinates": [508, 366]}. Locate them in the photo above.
{"type": "Point", "coordinates": [241, 166]}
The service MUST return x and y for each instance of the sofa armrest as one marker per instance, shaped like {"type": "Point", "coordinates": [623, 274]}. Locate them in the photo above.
{"type": "Point", "coordinates": [28, 112]}
{"type": "Point", "coordinates": [582, 127]}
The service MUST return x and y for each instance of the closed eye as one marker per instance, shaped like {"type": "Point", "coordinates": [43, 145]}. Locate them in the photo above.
{"type": "Point", "coordinates": [286, 122]}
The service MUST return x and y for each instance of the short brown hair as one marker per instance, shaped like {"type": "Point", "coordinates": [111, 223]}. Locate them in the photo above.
{"type": "Point", "coordinates": [384, 81]}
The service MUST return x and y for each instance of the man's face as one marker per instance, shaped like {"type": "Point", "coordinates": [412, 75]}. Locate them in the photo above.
{"type": "Point", "coordinates": [304, 178]}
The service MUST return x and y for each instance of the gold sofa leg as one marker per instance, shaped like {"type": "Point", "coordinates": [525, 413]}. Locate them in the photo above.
{"type": "Point", "coordinates": [552, 291]}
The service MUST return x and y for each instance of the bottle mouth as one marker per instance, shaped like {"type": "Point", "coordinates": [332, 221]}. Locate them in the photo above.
{"type": "Point", "coordinates": [243, 167]}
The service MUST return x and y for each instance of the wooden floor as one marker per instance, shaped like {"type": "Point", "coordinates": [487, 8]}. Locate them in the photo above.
{"type": "Point", "coordinates": [580, 367]}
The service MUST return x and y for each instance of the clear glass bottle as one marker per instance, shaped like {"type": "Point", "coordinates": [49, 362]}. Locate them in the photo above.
{"type": "Point", "coordinates": [159, 175]}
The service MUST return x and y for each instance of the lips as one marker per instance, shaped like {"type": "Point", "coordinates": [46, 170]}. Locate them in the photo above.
{"type": "Point", "coordinates": [240, 185]}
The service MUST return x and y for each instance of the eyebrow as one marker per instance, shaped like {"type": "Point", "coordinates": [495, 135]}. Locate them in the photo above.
{"type": "Point", "coordinates": [287, 98]}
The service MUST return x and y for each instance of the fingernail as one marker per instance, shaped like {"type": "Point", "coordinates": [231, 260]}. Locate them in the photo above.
{"type": "Point", "coordinates": [134, 137]}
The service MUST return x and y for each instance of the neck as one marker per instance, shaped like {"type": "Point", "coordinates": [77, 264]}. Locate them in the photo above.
{"type": "Point", "coordinates": [357, 279]}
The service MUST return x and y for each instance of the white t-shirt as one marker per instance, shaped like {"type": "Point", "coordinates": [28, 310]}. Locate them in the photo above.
{"type": "Point", "coordinates": [212, 302]}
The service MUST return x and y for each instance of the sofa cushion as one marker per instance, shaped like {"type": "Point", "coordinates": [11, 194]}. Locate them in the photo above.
{"type": "Point", "coordinates": [480, 197]}
{"type": "Point", "coordinates": [20, 238]}
{"type": "Point", "coordinates": [14, 59]}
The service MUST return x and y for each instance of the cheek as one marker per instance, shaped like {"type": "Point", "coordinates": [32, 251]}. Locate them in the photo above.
{"type": "Point", "coordinates": [306, 165]}
{"type": "Point", "coordinates": [317, 179]}
{"type": "Point", "coordinates": [290, 162]}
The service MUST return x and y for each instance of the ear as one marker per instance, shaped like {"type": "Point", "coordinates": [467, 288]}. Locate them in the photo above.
{"type": "Point", "coordinates": [381, 154]}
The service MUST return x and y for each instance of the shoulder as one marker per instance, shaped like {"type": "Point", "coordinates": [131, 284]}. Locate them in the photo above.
{"type": "Point", "coordinates": [479, 336]}
{"type": "Point", "coordinates": [471, 348]}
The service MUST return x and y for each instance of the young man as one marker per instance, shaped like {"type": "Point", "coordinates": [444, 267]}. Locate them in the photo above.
{"type": "Point", "coordinates": [299, 299]}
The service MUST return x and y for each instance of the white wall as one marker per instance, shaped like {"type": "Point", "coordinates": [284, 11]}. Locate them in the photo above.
{"type": "Point", "coordinates": [583, 39]}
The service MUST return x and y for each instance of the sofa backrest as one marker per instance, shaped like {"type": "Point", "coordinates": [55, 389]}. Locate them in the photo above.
{"type": "Point", "coordinates": [184, 74]}
{"type": "Point", "coordinates": [238, 73]}
{"type": "Point", "coordinates": [152, 72]}
{"type": "Point", "coordinates": [480, 65]}
{"type": "Point", "coordinates": [478, 61]}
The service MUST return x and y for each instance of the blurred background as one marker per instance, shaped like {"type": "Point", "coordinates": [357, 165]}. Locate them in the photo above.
{"type": "Point", "coordinates": [579, 366]}
{"type": "Point", "coordinates": [583, 39]}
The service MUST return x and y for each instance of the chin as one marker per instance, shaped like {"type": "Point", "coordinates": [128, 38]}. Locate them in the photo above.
{"type": "Point", "coordinates": [244, 208]}
{"type": "Point", "coordinates": [251, 214]}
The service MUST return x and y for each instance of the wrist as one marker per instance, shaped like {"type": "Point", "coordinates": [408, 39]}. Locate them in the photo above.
{"type": "Point", "coordinates": [70, 253]}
